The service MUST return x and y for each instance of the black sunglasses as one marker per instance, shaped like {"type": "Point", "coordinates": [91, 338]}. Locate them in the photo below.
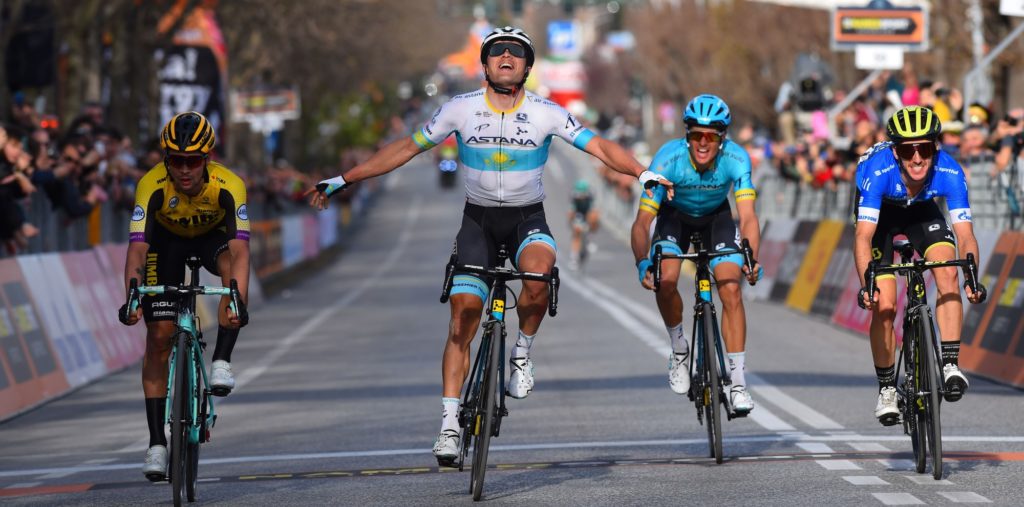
{"type": "Point", "coordinates": [499, 48]}
{"type": "Point", "coordinates": [190, 161]}
{"type": "Point", "coordinates": [906, 151]}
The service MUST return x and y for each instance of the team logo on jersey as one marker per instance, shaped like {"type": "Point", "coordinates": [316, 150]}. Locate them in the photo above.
{"type": "Point", "coordinates": [521, 117]}
{"type": "Point", "coordinates": [138, 214]}
{"type": "Point", "coordinates": [243, 212]}
{"type": "Point", "coordinates": [672, 239]}
{"type": "Point", "coordinates": [520, 131]}
{"type": "Point", "coordinates": [482, 126]}
{"type": "Point", "coordinates": [933, 227]}
{"type": "Point", "coordinates": [719, 246]}
{"type": "Point", "coordinates": [173, 202]}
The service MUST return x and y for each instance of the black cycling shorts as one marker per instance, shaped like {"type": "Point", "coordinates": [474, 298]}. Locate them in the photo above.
{"type": "Point", "coordinates": [718, 231]}
{"type": "Point", "coordinates": [165, 265]}
{"type": "Point", "coordinates": [484, 229]}
{"type": "Point", "coordinates": [923, 223]}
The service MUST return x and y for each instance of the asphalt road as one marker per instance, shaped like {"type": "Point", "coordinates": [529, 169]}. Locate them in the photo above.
{"type": "Point", "coordinates": [338, 399]}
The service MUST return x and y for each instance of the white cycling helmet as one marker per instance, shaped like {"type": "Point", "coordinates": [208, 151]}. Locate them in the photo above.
{"type": "Point", "coordinates": [507, 33]}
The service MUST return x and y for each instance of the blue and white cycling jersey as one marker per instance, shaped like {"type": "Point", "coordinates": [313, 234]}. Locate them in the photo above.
{"type": "Point", "coordinates": [878, 181]}
{"type": "Point", "coordinates": [502, 152]}
{"type": "Point", "coordinates": [698, 194]}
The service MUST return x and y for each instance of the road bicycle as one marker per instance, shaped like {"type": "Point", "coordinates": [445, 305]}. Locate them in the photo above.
{"type": "Point", "coordinates": [190, 405]}
{"type": "Point", "coordinates": [710, 380]}
{"type": "Point", "coordinates": [919, 394]}
{"type": "Point", "coordinates": [483, 400]}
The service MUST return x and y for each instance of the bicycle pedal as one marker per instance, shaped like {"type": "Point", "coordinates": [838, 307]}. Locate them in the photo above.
{"type": "Point", "coordinates": [889, 420]}
{"type": "Point", "coordinates": [157, 477]}
{"type": "Point", "coordinates": [220, 391]}
{"type": "Point", "coordinates": [447, 462]}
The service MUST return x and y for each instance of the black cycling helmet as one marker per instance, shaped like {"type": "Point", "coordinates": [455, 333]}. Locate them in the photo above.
{"type": "Point", "coordinates": [188, 132]}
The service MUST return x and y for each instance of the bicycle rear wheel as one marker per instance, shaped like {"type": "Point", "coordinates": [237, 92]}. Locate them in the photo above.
{"type": "Point", "coordinates": [483, 424]}
{"type": "Point", "coordinates": [193, 431]}
{"type": "Point", "coordinates": [179, 398]}
{"type": "Point", "coordinates": [932, 382]}
{"type": "Point", "coordinates": [712, 389]}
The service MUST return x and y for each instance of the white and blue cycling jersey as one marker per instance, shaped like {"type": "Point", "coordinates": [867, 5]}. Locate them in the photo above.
{"type": "Point", "coordinates": [879, 181]}
{"type": "Point", "coordinates": [699, 194]}
{"type": "Point", "coordinates": [502, 152]}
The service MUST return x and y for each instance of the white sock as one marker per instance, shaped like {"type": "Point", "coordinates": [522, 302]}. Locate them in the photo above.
{"type": "Point", "coordinates": [736, 368]}
{"type": "Point", "coordinates": [523, 344]}
{"type": "Point", "coordinates": [450, 414]}
{"type": "Point", "coordinates": [678, 338]}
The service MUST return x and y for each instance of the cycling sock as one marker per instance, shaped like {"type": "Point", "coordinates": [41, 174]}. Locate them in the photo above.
{"type": "Point", "coordinates": [737, 367]}
{"type": "Point", "coordinates": [225, 343]}
{"type": "Point", "coordinates": [155, 417]}
{"type": "Point", "coordinates": [678, 338]}
{"type": "Point", "coordinates": [523, 344]}
{"type": "Point", "coordinates": [886, 377]}
{"type": "Point", "coordinates": [450, 414]}
{"type": "Point", "coordinates": [951, 353]}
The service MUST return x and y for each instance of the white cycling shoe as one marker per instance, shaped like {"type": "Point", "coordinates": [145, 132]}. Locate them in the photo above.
{"type": "Point", "coordinates": [679, 373]}
{"type": "Point", "coordinates": [955, 382]}
{"type": "Point", "coordinates": [222, 381]}
{"type": "Point", "coordinates": [155, 467]}
{"type": "Point", "coordinates": [446, 448]}
{"type": "Point", "coordinates": [520, 382]}
{"type": "Point", "coordinates": [741, 401]}
{"type": "Point", "coordinates": [886, 410]}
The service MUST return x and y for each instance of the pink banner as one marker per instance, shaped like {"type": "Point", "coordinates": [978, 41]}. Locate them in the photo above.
{"type": "Point", "coordinates": [310, 241]}
{"type": "Point", "coordinates": [110, 260]}
{"type": "Point", "coordinates": [99, 305]}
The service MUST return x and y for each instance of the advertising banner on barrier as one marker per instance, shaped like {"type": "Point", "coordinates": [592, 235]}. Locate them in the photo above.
{"type": "Point", "coordinates": [63, 320]}
{"type": "Point", "coordinates": [291, 240]}
{"type": "Point", "coordinates": [774, 242]}
{"type": "Point", "coordinates": [99, 302]}
{"type": "Point", "coordinates": [265, 246]}
{"type": "Point", "coordinates": [978, 351]}
{"type": "Point", "coordinates": [29, 371]}
{"type": "Point", "coordinates": [812, 270]}
{"type": "Point", "coordinates": [327, 231]}
{"type": "Point", "coordinates": [792, 260]}
{"type": "Point", "coordinates": [839, 268]}
{"type": "Point", "coordinates": [310, 242]}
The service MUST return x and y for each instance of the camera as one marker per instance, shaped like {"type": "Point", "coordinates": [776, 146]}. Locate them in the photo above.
{"type": "Point", "coordinates": [1013, 122]}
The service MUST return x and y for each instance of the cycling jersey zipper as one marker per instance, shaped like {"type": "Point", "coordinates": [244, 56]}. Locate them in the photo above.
{"type": "Point", "coordinates": [501, 161]}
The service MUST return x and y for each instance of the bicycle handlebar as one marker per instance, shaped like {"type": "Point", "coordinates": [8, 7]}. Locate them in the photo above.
{"type": "Point", "coordinates": [748, 259]}
{"type": "Point", "coordinates": [968, 266]}
{"type": "Point", "coordinates": [135, 293]}
{"type": "Point", "coordinates": [504, 274]}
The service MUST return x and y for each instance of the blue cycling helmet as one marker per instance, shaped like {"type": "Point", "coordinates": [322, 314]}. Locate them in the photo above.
{"type": "Point", "coordinates": [707, 111]}
{"type": "Point", "coordinates": [581, 186]}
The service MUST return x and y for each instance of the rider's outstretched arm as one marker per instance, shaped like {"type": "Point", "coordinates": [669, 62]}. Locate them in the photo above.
{"type": "Point", "coordinates": [389, 158]}
{"type": "Point", "coordinates": [616, 157]}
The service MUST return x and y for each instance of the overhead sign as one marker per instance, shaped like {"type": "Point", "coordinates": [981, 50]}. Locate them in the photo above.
{"type": "Point", "coordinates": [872, 57]}
{"type": "Point", "coordinates": [852, 26]}
{"type": "Point", "coordinates": [565, 39]}
{"type": "Point", "coordinates": [1011, 7]}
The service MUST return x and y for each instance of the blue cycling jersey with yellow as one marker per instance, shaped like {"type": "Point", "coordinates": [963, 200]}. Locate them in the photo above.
{"type": "Point", "coordinates": [699, 194]}
{"type": "Point", "coordinates": [879, 180]}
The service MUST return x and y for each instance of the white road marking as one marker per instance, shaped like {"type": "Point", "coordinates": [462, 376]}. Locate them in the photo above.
{"type": "Point", "coordinates": [796, 408]}
{"type": "Point", "coordinates": [898, 464]}
{"type": "Point", "coordinates": [865, 480]}
{"type": "Point", "coordinates": [897, 499]}
{"type": "Point", "coordinates": [19, 485]}
{"type": "Point", "coordinates": [815, 447]}
{"type": "Point", "coordinates": [869, 447]}
{"type": "Point", "coordinates": [927, 480]}
{"type": "Point", "coordinates": [964, 497]}
{"type": "Point", "coordinates": [837, 464]}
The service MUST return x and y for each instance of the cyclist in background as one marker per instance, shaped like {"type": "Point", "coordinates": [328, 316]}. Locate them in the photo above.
{"type": "Point", "coordinates": [703, 165]}
{"type": "Point", "coordinates": [503, 134]}
{"type": "Point", "coordinates": [583, 218]}
{"type": "Point", "coordinates": [897, 183]}
{"type": "Point", "coordinates": [185, 205]}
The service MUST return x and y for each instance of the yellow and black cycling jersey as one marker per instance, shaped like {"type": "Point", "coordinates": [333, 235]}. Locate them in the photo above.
{"type": "Point", "coordinates": [221, 204]}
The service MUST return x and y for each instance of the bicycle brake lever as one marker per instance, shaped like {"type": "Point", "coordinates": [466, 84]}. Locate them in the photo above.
{"type": "Point", "coordinates": [553, 292]}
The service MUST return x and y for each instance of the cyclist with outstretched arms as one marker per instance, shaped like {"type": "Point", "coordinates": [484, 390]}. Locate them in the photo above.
{"type": "Point", "coordinates": [503, 134]}
{"type": "Point", "coordinates": [186, 205]}
{"type": "Point", "coordinates": [897, 184]}
{"type": "Point", "coordinates": [704, 166]}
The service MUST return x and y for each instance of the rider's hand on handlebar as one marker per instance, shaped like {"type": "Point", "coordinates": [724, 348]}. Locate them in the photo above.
{"type": "Point", "coordinates": [976, 297]}
{"type": "Point", "coordinates": [650, 179]}
{"type": "Point", "coordinates": [864, 301]}
{"type": "Point", "coordinates": [754, 275]}
{"type": "Point", "coordinates": [645, 273]}
{"type": "Point", "coordinates": [129, 318]}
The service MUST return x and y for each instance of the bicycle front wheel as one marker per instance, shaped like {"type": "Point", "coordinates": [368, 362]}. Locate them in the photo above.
{"type": "Point", "coordinates": [933, 382]}
{"type": "Point", "coordinates": [193, 431]}
{"type": "Point", "coordinates": [712, 389]}
{"type": "Point", "coordinates": [912, 402]}
{"type": "Point", "coordinates": [179, 400]}
{"type": "Point", "coordinates": [483, 425]}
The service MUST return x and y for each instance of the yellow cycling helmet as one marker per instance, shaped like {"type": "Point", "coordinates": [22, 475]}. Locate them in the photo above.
{"type": "Point", "coordinates": [188, 132]}
{"type": "Point", "coordinates": [913, 122]}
